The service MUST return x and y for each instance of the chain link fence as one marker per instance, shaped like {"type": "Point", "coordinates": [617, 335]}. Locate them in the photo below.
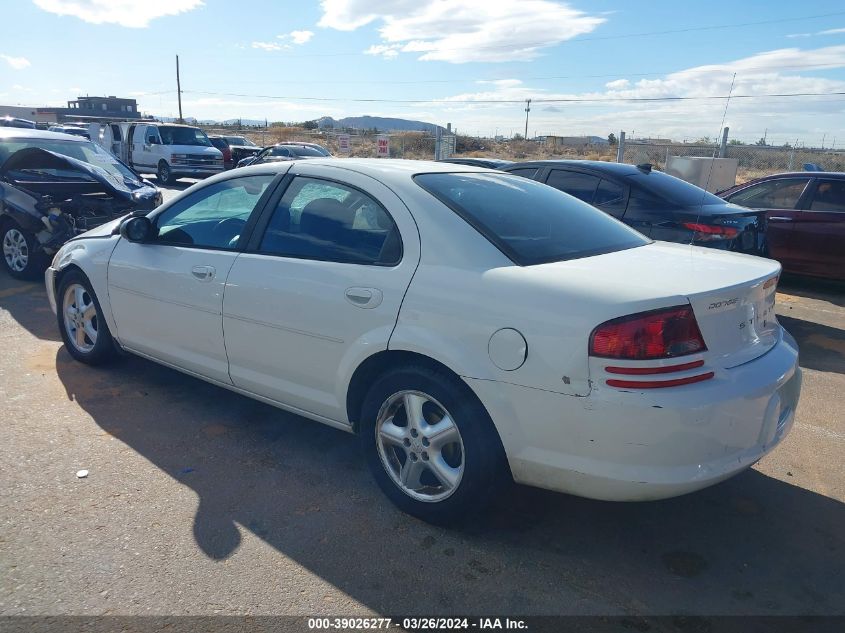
{"type": "Point", "coordinates": [753, 160]}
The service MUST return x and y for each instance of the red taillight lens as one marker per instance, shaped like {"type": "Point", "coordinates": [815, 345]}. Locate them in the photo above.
{"type": "Point", "coordinates": [710, 232]}
{"type": "Point", "coordinates": [227, 154]}
{"type": "Point", "coordinates": [648, 335]}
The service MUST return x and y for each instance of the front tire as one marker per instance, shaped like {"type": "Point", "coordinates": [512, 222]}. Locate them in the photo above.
{"type": "Point", "coordinates": [22, 256]}
{"type": "Point", "coordinates": [84, 330]}
{"type": "Point", "coordinates": [164, 174]}
{"type": "Point", "coordinates": [430, 445]}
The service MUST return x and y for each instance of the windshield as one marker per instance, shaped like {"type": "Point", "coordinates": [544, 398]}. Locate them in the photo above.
{"type": "Point", "coordinates": [673, 190]}
{"type": "Point", "coordinates": [305, 151]}
{"type": "Point", "coordinates": [239, 140]}
{"type": "Point", "coordinates": [530, 222]}
{"type": "Point", "coordinates": [86, 152]}
{"type": "Point", "coordinates": [183, 136]}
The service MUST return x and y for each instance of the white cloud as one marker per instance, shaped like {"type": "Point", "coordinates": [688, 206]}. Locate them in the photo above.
{"type": "Point", "coordinates": [301, 37]}
{"type": "Point", "coordinates": [18, 63]}
{"type": "Point", "coordinates": [460, 31]}
{"type": "Point", "coordinates": [129, 13]}
{"type": "Point", "coordinates": [771, 72]}
{"type": "Point", "coordinates": [269, 46]}
{"type": "Point", "coordinates": [825, 32]}
{"type": "Point", "coordinates": [832, 31]}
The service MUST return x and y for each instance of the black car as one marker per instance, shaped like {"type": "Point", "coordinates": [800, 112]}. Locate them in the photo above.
{"type": "Point", "coordinates": [11, 121]}
{"type": "Point", "coordinates": [241, 147]}
{"type": "Point", "coordinates": [284, 152]}
{"type": "Point", "coordinates": [656, 204]}
{"type": "Point", "coordinates": [70, 129]}
{"type": "Point", "coordinates": [489, 163]}
{"type": "Point", "coordinates": [53, 187]}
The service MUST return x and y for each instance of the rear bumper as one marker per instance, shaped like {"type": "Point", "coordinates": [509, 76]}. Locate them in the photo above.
{"type": "Point", "coordinates": [634, 445]}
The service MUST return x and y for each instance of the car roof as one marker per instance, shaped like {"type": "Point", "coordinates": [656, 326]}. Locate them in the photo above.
{"type": "Point", "coordinates": [802, 174]}
{"type": "Point", "coordinates": [29, 133]}
{"type": "Point", "coordinates": [385, 169]}
{"type": "Point", "coordinates": [620, 169]}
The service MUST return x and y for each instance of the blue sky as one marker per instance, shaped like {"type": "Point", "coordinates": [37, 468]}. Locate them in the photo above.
{"type": "Point", "coordinates": [262, 58]}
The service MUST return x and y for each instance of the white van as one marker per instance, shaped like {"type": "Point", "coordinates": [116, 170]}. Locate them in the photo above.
{"type": "Point", "coordinates": [168, 150]}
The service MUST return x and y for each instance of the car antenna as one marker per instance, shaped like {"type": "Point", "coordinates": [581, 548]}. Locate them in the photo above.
{"type": "Point", "coordinates": [645, 167]}
{"type": "Point", "coordinates": [713, 158]}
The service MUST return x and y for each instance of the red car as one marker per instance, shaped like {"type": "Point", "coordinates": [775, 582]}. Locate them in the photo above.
{"type": "Point", "coordinates": [805, 219]}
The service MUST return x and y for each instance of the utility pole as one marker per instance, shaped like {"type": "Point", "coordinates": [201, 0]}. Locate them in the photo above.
{"type": "Point", "coordinates": [527, 110]}
{"type": "Point", "coordinates": [179, 90]}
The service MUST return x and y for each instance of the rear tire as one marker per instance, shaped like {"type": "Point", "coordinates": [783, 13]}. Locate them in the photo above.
{"type": "Point", "coordinates": [84, 330]}
{"type": "Point", "coordinates": [431, 445]}
{"type": "Point", "coordinates": [22, 255]}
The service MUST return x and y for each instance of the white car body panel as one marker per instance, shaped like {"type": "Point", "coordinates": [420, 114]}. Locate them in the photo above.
{"type": "Point", "coordinates": [297, 309]}
{"type": "Point", "coordinates": [293, 340]}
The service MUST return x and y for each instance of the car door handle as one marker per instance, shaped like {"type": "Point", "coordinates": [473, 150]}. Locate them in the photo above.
{"type": "Point", "coordinates": [203, 273]}
{"type": "Point", "coordinates": [779, 218]}
{"type": "Point", "coordinates": [366, 298]}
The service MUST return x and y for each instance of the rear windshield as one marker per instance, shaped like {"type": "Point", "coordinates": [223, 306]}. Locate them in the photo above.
{"type": "Point", "coordinates": [530, 222]}
{"type": "Point", "coordinates": [305, 151]}
{"type": "Point", "coordinates": [671, 189]}
{"type": "Point", "coordinates": [239, 140]}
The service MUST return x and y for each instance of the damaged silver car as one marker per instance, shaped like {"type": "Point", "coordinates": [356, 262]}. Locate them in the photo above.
{"type": "Point", "coordinates": [54, 187]}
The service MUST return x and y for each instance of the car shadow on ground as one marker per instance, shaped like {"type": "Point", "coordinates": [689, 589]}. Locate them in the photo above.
{"type": "Point", "coordinates": [812, 288]}
{"type": "Point", "coordinates": [754, 544]}
{"type": "Point", "coordinates": [821, 347]}
{"type": "Point", "coordinates": [26, 302]}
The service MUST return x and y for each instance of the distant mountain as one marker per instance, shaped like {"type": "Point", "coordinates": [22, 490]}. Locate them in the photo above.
{"type": "Point", "coordinates": [382, 124]}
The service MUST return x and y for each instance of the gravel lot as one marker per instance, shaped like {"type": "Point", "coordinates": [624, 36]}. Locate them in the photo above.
{"type": "Point", "coordinates": [200, 501]}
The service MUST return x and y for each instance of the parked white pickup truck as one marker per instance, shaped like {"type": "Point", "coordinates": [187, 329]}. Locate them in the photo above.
{"type": "Point", "coordinates": [168, 150]}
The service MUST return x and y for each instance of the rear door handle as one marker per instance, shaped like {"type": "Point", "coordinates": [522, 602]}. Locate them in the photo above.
{"type": "Point", "coordinates": [203, 273]}
{"type": "Point", "coordinates": [366, 298]}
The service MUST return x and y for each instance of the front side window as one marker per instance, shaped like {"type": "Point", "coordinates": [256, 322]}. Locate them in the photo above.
{"type": "Point", "coordinates": [782, 193]}
{"type": "Point", "coordinates": [214, 216]}
{"type": "Point", "coordinates": [829, 196]}
{"type": "Point", "coordinates": [329, 221]}
{"type": "Point", "coordinates": [528, 221]}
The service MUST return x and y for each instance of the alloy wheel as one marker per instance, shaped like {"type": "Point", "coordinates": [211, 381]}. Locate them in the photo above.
{"type": "Point", "coordinates": [15, 250]}
{"type": "Point", "coordinates": [420, 446]}
{"type": "Point", "coordinates": [80, 317]}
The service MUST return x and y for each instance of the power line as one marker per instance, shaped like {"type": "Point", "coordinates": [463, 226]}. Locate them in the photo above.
{"type": "Point", "coordinates": [506, 101]}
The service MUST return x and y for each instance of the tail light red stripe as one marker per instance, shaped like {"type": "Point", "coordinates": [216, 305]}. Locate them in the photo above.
{"type": "Point", "coordinates": [641, 371]}
{"type": "Point", "coordinates": [657, 384]}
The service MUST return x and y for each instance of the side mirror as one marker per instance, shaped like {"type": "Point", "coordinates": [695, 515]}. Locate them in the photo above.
{"type": "Point", "coordinates": [137, 229]}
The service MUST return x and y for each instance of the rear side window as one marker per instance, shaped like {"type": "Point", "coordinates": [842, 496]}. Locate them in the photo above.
{"type": "Point", "coordinates": [829, 196]}
{"type": "Point", "coordinates": [610, 198]}
{"type": "Point", "coordinates": [329, 221]}
{"type": "Point", "coordinates": [528, 221]}
{"type": "Point", "coordinates": [582, 186]}
{"type": "Point", "coordinates": [782, 193]}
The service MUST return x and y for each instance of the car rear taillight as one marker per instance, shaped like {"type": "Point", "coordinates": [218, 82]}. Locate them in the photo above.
{"type": "Point", "coordinates": [664, 333]}
{"type": "Point", "coordinates": [227, 154]}
{"type": "Point", "coordinates": [711, 232]}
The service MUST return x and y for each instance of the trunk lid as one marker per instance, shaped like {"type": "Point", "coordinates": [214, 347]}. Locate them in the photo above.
{"type": "Point", "coordinates": [732, 295]}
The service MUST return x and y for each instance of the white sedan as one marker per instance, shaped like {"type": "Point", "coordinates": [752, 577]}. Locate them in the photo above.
{"type": "Point", "coordinates": [470, 326]}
